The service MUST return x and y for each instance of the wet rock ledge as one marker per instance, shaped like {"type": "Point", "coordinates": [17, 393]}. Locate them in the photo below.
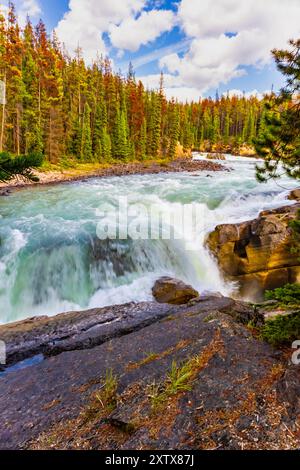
{"type": "Point", "coordinates": [108, 379]}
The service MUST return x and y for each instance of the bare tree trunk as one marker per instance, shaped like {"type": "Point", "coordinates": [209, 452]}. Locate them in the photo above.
{"type": "Point", "coordinates": [50, 135]}
{"type": "Point", "coordinates": [18, 131]}
{"type": "Point", "coordinates": [3, 116]}
{"type": "Point", "coordinates": [79, 104]}
{"type": "Point", "coordinates": [39, 102]}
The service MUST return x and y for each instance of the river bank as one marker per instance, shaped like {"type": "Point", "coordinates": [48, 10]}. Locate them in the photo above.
{"type": "Point", "coordinates": [84, 172]}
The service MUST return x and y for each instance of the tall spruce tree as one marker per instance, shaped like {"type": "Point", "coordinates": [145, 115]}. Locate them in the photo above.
{"type": "Point", "coordinates": [174, 122]}
{"type": "Point", "coordinates": [279, 143]}
{"type": "Point", "coordinates": [120, 145]}
{"type": "Point", "coordinates": [86, 152]}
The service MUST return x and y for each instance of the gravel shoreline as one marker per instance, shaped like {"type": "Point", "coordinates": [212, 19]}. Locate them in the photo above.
{"type": "Point", "coordinates": [56, 177]}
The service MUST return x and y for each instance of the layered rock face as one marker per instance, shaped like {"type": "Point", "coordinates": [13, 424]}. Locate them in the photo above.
{"type": "Point", "coordinates": [258, 254]}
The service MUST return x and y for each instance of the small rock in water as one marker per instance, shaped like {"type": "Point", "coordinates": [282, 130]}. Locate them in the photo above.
{"type": "Point", "coordinates": [172, 291]}
{"type": "Point", "coordinates": [5, 192]}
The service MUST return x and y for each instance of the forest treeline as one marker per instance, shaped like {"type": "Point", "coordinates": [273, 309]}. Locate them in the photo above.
{"type": "Point", "coordinates": [58, 106]}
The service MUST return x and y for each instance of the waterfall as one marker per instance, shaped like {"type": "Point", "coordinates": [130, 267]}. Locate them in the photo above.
{"type": "Point", "coordinates": [51, 259]}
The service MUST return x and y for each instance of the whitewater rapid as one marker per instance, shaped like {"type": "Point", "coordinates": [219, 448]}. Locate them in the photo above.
{"type": "Point", "coordinates": [52, 261]}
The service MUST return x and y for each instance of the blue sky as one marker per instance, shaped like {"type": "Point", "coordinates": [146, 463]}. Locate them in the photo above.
{"type": "Point", "coordinates": [201, 46]}
{"type": "Point", "coordinates": [53, 11]}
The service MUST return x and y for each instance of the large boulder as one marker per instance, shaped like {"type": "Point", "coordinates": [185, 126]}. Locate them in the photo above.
{"type": "Point", "coordinates": [172, 291]}
{"type": "Point", "coordinates": [258, 253]}
{"type": "Point", "coordinates": [295, 195]}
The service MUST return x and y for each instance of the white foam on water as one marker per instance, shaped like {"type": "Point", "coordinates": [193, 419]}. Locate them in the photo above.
{"type": "Point", "coordinates": [51, 260]}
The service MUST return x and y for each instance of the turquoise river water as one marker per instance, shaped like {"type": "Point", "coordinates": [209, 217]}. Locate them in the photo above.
{"type": "Point", "coordinates": [51, 259]}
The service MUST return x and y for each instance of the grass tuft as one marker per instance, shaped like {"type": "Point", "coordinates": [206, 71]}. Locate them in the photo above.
{"type": "Point", "coordinates": [104, 401]}
{"type": "Point", "coordinates": [180, 378]}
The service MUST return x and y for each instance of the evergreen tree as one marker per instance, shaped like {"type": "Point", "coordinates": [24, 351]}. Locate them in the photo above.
{"type": "Point", "coordinates": [173, 129]}
{"type": "Point", "coordinates": [98, 132]}
{"type": "Point", "coordinates": [155, 125]}
{"type": "Point", "coordinates": [86, 152]}
{"type": "Point", "coordinates": [143, 141]}
{"type": "Point", "coordinates": [215, 137]}
{"type": "Point", "coordinates": [227, 128]}
{"type": "Point", "coordinates": [20, 166]}
{"type": "Point", "coordinates": [120, 145]}
{"type": "Point", "coordinates": [279, 142]}
{"type": "Point", "coordinates": [32, 131]}
{"type": "Point", "coordinates": [106, 146]}
{"type": "Point", "coordinates": [3, 77]}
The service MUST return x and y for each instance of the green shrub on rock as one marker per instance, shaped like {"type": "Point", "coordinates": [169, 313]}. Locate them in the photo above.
{"type": "Point", "coordinates": [282, 330]}
{"type": "Point", "coordinates": [289, 295]}
{"type": "Point", "coordinates": [22, 165]}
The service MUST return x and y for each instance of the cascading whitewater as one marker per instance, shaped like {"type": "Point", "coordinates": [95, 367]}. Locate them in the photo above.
{"type": "Point", "coordinates": [52, 261]}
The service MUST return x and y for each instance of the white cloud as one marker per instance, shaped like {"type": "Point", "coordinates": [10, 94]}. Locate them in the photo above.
{"type": "Point", "coordinates": [134, 32]}
{"type": "Point", "coordinates": [127, 24]}
{"type": "Point", "coordinates": [24, 8]}
{"type": "Point", "coordinates": [174, 87]}
{"type": "Point", "coordinates": [212, 18]}
{"type": "Point", "coordinates": [215, 58]}
{"type": "Point", "coordinates": [87, 20]}
{"type": "Point", "coordinates": [248, 94]}
{"type": "Point", "coordinates": [152, 82]}
{"type": "Point", "coordinates": [3, 9]}
{"type": "Point", "coordinates": [183, 94]}
{"type": "Point", "coordinates": [157, 54]}
{"type": "Point", "coordinates": [29, 8]}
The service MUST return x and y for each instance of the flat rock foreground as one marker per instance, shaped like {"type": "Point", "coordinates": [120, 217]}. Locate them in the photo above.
{"type": "Point", "coordinates": [148, 376]}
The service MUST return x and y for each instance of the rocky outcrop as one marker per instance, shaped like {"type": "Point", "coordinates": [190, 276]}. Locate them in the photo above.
{"type": "Point", "coordinates": [172, 291]}
{"type": "Point", "coordinates": [258, 254]}
{"type": "Point", "coordinates": [295, 195]}
{"type": "Point", "coordinates": [236, 391]}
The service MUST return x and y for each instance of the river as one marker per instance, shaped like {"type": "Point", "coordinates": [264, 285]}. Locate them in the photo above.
{"type": "Point", "coordinates": [52, 261]}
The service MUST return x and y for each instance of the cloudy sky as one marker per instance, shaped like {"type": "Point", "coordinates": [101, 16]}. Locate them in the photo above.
{"type": "Point", "coordinates": [200, 45]}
